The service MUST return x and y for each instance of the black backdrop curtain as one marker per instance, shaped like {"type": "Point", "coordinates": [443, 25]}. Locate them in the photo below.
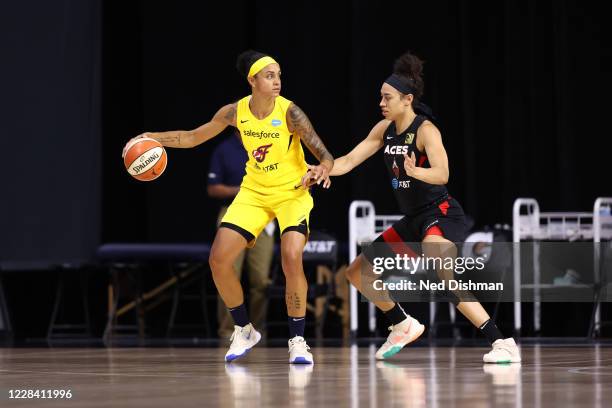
{"type": "Point", "coordinates": [50, 73]}
{"type": "Point", "coordinates": [519, 89]}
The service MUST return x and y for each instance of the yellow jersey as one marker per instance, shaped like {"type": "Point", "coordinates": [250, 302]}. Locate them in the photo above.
{"type": "Point", "coordinates": [275, 155]}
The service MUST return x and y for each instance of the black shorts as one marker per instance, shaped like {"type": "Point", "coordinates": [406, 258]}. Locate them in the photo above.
{"type": "Point", "coordinates": [406, 234]}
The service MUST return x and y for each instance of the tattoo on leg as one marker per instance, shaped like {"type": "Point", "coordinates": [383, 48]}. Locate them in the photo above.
{"type": "Point", "coordinates": [293, 301]}
{"type": "Point", "coordinates": [297, 302]}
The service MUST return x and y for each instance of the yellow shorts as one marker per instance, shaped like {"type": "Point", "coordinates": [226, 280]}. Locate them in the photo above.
{"type": "Point", "coordinates": [253, 209]}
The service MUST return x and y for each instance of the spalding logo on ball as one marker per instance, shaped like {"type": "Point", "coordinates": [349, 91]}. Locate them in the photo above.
{"type": "Point", "coordinates": [145, 159]}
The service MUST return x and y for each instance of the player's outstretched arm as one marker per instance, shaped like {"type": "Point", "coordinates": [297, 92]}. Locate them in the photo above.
{"type": "Point", "coordinates": [366, 148]}
{"type": "Point", "coordinates": [226, 116]}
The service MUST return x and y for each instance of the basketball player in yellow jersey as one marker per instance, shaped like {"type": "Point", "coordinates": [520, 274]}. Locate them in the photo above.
{"type": "Point", "coordinates": [271, 129]}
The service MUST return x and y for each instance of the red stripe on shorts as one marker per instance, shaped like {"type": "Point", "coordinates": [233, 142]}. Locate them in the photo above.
{"type": "Point", "coordinates": [397, 244]}
{"type": "Point", "coordinates": [435, 230]}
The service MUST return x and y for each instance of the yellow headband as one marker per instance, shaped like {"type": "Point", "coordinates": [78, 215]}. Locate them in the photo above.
{"type": "Point", "coordinates": [260, 64]}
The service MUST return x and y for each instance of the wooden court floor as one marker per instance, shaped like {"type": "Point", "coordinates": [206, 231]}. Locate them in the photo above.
{"type": "Point", "coordinates": [341, 377]}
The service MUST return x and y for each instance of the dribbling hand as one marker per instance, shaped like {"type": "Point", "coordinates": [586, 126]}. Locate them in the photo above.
{"type": "Point", "coordinates": [140, 136]}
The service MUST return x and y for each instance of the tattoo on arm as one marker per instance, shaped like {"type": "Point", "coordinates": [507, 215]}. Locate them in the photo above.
{"type": "Point", "coordinates": [170, 138]}
{"type": "Point", "coordinates": [300, 124]}
{"type": "Point", "coordinates": [230, 116]}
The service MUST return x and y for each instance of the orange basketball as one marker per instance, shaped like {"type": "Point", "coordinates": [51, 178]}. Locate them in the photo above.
{"type": "Point", "coordinates": [145, 159]}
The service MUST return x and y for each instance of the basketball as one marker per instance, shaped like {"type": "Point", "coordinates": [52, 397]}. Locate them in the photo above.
{"type": "Point", "coordinates": [145, 159]}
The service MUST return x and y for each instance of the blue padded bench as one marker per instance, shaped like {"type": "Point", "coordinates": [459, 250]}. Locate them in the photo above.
{"type": "Point", "coordinates": [128, 257]}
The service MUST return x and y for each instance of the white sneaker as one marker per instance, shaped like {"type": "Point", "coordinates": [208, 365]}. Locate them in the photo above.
{"type": "Point", "coordinates": [298, 351]}
{"type": "Point", "coordinates": [243, 339]}
{"type": "Point", "coordinates": [504, 351]}
{"type": "Point", "coordinates": [401, 334]}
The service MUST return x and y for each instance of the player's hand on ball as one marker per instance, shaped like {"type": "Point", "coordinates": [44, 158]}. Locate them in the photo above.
{"type": "Point", "coordinates": [145, 158]}
{"type": "Point", "coordinates": [410, 164]}
{"type": "Point", "coordinates": [129, 142]}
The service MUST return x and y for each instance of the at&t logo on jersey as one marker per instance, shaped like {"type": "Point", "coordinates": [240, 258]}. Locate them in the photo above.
{"type": "Point", "coordinates": [270, 167]}
{"type": "Point", "coordinates": [395, 183]}
{"type": "Point", "coordinates": [260, 153]}
{"type": "Point", "coordinates": [396, 149]}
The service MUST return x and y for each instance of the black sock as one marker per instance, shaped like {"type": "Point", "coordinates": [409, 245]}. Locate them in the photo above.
{"type": "Point", "coordinates": [396, 315]}
{"type": "Point", "coordinates": [296, 326]}
{"type": "Point", "coordinates": [490, 330]}
{"type": "Point", "coordinates": [240, 316]}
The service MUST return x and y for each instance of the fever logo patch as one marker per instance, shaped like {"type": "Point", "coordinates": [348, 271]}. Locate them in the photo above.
{"type": "Point", "coordinates": [260, 153]}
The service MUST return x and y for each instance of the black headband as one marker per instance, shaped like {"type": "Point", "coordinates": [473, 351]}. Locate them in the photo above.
{"type": "Point", "coordinates": [404, 87]}
{"type": "Point", "coordinates": [401, 84]}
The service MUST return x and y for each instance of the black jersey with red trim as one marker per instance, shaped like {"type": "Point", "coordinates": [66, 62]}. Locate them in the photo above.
{"type": "Point", "coordinates": [412, 195]}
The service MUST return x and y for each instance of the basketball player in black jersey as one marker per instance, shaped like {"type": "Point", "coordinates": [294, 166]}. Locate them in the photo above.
{"type": "Point", "coordinates": [418, 167]}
